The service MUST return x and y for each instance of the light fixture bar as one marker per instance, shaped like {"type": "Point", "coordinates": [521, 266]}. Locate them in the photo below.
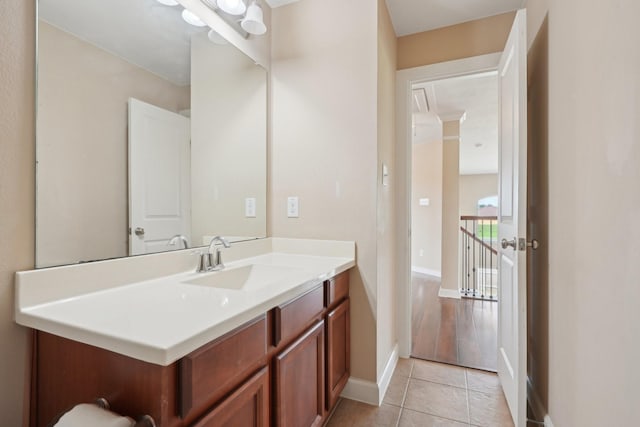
{"type": "Point", "coordinates": [232, 20]}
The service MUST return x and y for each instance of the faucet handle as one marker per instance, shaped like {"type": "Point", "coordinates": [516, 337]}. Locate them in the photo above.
{"type": "Point", "coordinates": [211, 261]}
{"type": "Point", "coordinates": [218, 260]}
{"type": "Point", "coordinates": [203, 261]}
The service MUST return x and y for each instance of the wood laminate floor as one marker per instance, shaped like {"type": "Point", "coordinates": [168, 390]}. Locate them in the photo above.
{"type": "Point", "coordinates": [457, 331]}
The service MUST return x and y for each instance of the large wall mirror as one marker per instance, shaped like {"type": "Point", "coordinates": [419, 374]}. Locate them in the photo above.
{"type": "Point", "coordinates": [146, 129]}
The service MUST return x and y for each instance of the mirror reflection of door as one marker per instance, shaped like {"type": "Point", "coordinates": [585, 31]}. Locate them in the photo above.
{"type": "Point", "coordinates": [159, 177]}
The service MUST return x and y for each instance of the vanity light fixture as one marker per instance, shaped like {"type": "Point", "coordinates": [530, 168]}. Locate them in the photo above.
{"type": "Point", "coordinates": [243, 19]}
{"type": "Point", "coordinates": [232, 7]}
{"type": "Point", "coordinates": [192, 18]}
{"type": "Point", "coordinates": [253, 22]}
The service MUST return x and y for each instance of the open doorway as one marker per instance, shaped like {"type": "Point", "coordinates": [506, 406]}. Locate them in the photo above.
{"type": "Point", "coordinates": [454, 211]}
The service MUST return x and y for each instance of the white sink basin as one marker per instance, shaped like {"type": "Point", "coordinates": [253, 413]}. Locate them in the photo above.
{"type": "Point", "coordinates": [247, 278]}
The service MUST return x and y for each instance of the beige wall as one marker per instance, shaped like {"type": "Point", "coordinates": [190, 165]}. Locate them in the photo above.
{"type": "Point", "coordinates": [474, 188]}
{"type": "Point", "coordinates": [471, 38]}
{"type": "Point", "coordinates": [450, 204]}
{"type": "Point", "coordinates": [228, 141]}
{"type": "Point", "coordinates": [386, 295]}
{"type": "Point", "coordinates": [324, 142]}
{"type": "Point", "coordinates": [17, 29]}
{"type": "Point", "coordinates": [82, 145]}
{"type": "Point", "coordinates": [593, 149]}
{"type": "Point", "coordinates": [426, 221]}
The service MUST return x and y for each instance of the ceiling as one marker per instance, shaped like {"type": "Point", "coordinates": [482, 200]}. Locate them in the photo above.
{"type": "Point", "coordinates": [477, 96]}
{"type": "Point", "coordinates": [414, 16]}
{"type": "Point", "coordinates": [155, 37]}
{"type": "Point", "coordinates": [143, 32]}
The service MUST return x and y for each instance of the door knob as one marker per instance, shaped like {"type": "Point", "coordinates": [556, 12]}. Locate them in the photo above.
{"type": "Point", "coordinates": [139, 231]}
{"type": "Point", "coordinates": [506, 243]}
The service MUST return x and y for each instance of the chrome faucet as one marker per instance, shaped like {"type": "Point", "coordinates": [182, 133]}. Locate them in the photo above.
{"type": "Point", "coordinates": [179, 237]}
{"type": "Point", "coordinates": [214, 255]}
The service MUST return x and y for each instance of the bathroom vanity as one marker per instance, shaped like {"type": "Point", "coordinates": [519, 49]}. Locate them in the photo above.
{"type": "Point", "coordinates": [263, 342]}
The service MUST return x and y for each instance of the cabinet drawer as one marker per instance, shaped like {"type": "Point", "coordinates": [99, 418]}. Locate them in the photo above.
{"type": "Point", "coordinates": [293, 317]}
{"type": "Point", "coordinates": [336, 289]}
{"type": "Point", "coordinates": [248, 406]}
{"type": "Point", "coordinates": [214, 370]}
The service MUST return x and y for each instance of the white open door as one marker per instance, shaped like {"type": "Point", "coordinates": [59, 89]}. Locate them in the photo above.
{"type": "Point", "coordinates": [512, 220]}
{"type": "Point", "coordinates": [159, 177]}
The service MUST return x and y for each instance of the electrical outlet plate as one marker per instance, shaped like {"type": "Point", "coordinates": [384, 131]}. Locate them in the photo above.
{"type": "Point", "coordinates": [292, 207]}
{"type": "Point", "coordinates": [250, 207]}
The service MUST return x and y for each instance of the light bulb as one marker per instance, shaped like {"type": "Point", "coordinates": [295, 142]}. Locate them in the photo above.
{"type": "Point", "coordinates": [253, 23]}
{"type": "Point", "coordinates": [232, 7]}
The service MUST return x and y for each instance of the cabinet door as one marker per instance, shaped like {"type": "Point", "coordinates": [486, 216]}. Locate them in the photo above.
{"type": "Point", "coordinates": [299, 380]}
{"type": "Point", "coordinates": [248, 406]}
{"type": "Point", "coordinates": [338, 352]}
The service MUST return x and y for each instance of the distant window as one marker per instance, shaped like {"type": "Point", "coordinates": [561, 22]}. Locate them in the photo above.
{"type": "Point", "coordinates": [488, 206]}
{"type": "Point", "coordinates": [487, 229]}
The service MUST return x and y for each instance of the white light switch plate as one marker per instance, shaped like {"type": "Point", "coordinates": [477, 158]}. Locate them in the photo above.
{"type": "Point", "coordinates": [423, 202]}
{"type": "Point", "coordinates": [385, 175]}
{"type": "Point", "coordinates": [250, 207]}
{"type": "Point", "coordinates": [292, 207]}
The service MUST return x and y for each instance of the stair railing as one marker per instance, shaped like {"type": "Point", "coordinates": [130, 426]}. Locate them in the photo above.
{"type": "Point", "coordinates": [478, 258]}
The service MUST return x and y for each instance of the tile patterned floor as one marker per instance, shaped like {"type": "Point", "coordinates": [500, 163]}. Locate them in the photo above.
{"type": "Point", "coordinates": [429, 394]}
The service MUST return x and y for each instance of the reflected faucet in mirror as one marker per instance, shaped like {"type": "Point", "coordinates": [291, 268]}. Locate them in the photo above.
{"type": "Point", "coordinates": [178, 237]}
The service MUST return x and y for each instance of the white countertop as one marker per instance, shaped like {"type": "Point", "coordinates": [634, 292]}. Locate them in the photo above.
{"type": "Point", "coordinates": [162, 319]}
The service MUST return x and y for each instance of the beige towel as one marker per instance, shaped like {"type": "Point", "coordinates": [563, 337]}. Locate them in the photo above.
{"type": "Point", "coordinates": [87, 414]}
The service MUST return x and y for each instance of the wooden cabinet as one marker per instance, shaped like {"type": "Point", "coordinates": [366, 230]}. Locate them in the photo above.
{"type": "Point", "coordinates": [291, 318]}
{"type": "Point", "coordinates": [68, 372]}
{"type": "Point", "coordinates": [215, 369]}
{"type": "Point", "coordinates": [336, 289]}
{"type": "Point", "coordinates": [248, 406]}
{"type": "Point", "coordinates": [338, 351]}
{"type": "Point", "coordinates": [285, 368]}
{"type": "Point", "coordinates": [299, 381]}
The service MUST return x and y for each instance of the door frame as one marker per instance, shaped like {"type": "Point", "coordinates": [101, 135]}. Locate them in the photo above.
{"type": "Point", "coordinates": [405, 79]}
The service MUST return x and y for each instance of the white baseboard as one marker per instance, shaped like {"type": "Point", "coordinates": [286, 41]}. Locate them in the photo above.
{"type": "Point", "coordinates": [426, 271]}
{"type": "Point", "coordinates": [385, 376]}
{"type": "Point", "coordinates": [449, 293]}
{"type": "Point", "coordinates": [368, 391]}
{"type": "Point", "coordinates": [361, 390]}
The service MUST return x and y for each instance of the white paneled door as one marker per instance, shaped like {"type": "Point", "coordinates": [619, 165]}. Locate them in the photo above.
{"type": "Point", "coordinates": [512, 219]}
{"type": "Point", "coordinates": [159, 177]}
